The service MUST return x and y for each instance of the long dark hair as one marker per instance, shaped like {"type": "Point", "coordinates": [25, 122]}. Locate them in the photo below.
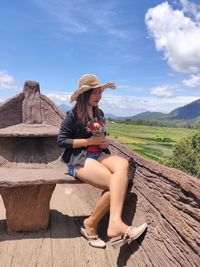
{"type": "Point", "coordinates": [80, 107]}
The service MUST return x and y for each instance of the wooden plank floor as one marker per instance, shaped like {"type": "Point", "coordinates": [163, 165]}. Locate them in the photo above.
{"type": "Point", "coordinates": [62, 244]}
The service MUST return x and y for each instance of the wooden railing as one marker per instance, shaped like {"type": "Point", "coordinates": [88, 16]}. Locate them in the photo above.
{"type": "Point", "coordinates": [169, 201]}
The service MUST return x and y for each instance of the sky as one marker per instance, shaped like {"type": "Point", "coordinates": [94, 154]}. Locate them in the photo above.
{"type": "Point", "coordinates": [149, 49]}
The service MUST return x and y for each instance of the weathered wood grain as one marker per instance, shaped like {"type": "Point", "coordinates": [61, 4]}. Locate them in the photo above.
{"type": "Point", "coordinates": [51, 114]}
{"type": "Point", "coordinates": [169, 201]}
{"type": "Point", "coordinates": [10, 177]}
{"type": "Point", "coordinates": [29, 130]}
{"type": "Point", "coordinates": [29, 152]}
{"type": "Point", "coordinates": [74, 205]}
{"type": "Point", "coordinates": [37, 108]}
{"type": "Point", "coordinates": [27, 207]}
{"type": "Point", "coordinates": [30, 107]}
{"type": "Point", "coordinates": [23, 249]}
{"type": "Point", "coordinates": [11, 111]}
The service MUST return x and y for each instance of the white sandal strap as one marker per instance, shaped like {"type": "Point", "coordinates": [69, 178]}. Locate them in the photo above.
{"type": "Point", "coordinates": [92, 237]}
{"type": "Point", "coordinates": [126, 235]}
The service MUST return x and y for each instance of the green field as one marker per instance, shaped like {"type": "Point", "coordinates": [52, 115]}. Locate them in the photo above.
{"type": "Point", "coordinates": [155, 143]}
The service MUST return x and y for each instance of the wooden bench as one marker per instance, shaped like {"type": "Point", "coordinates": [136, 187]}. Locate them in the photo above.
{"type": "Point", "coordinates": [26, 194]}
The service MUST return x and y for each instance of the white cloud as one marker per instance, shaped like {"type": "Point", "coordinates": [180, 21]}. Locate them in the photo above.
{"type": "Point", "coordinates": [191, 8]}
{"type": "Point", "coordinates": [193, 82]}
{"type": "Point", "coordinates": [130, 105]}
{"type": "Point", "coordinates": [59, 98]}
{"type": "Point", "coordinates": [176, 35]}
{"type": "Point", "coordinates": [163, 91]}
{"type": "Point", "coordinates": [7, 81]}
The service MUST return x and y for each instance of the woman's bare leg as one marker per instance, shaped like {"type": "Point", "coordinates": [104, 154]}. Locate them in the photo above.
{"type": "Point", "coordinates": [118, 188]}
{"type": "Point", "coordinates": [110, 173]}
{"type": "Point", "coordinates": [97, 175]}
{"type": "Point", "coordinates": [101, 208]}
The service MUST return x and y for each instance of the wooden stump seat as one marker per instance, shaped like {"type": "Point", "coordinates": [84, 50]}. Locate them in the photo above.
{"type": "Point", "coordinates": [26, 194]}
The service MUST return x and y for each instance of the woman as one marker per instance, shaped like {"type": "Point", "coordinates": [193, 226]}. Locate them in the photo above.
{"type": "Point", "coordinates": [88, 159]}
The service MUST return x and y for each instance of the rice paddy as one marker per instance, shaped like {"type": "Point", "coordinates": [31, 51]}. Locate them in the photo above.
{"type": "Point", "coordinates": [154, 143]}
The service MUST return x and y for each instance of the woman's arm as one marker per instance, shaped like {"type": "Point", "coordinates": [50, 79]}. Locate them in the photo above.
{"type": "Point", "coordinates": [66, 133]}
{"type": "Point", "coordinates": [93, 140]}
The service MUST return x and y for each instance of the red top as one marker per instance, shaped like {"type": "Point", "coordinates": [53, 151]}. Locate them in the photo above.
{"type": "Point", "coordinates": [94, 149]}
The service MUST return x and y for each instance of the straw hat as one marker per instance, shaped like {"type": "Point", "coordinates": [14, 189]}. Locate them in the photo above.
{"type": "Point", "coordinates": [87, 82]}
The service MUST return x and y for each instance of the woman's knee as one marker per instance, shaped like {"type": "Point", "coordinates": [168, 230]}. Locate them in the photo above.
{"type": "Point", "coordinates": [125, 163]}
{"type": "Point", "coordinates": [121, 165]}
{"type": "Point", "coordinates": [115, 163]}
{"type": "Point", "coordinates": [106, 193]}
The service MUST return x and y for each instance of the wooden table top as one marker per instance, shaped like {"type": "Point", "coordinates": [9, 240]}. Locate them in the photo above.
{"type": "Point", "coordinates": [29, 130]}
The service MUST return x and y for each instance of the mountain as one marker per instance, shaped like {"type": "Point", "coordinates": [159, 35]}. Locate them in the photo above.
{"type": "Point", "coordinates": [150, 115]}
{"type": "Point", "coordinates": [64, 107]}
{"type": "Point", "coordinates": [111, 116]}
{"type": "Point", "coordinates": [187, 112]}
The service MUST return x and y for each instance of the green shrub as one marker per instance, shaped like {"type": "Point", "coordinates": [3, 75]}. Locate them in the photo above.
{"type": "Point", "coordinates": [186, 155]}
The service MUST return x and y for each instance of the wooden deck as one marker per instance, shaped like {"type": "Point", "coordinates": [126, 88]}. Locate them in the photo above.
{"type": "Point", "coordinates": [61, 244]}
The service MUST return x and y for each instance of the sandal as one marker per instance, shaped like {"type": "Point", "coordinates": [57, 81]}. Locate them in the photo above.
{"type": "Point", "coordinates": [127, 237]}
{"type": "Point", "coordinates": [93, 240]}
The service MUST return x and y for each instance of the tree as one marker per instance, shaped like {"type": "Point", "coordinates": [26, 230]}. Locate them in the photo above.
{"type": "Point", "coordinates": [186, 155]}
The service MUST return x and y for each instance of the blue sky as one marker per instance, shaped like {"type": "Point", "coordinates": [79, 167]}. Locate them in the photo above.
{"type": "Point", "coordinates": [150, 49]}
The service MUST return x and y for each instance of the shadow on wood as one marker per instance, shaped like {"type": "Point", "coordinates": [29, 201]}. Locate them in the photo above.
{"type": "Point", "coordinates": [64, 225]}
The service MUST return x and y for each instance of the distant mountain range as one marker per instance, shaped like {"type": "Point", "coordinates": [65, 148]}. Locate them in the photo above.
{"type": "Point", "coordinates": [148, 115]}
{"type": "Point", "coordinates": [112, 116]}
{"type": "Point", "coordinates": [187, 112]}
{"type": "Point", "coordinates": [64, 107]}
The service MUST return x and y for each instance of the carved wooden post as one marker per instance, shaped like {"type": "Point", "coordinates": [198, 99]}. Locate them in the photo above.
{"type": "Point", "coordinates": [31, 105]}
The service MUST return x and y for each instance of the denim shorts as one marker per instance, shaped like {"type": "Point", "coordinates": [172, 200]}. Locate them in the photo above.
{"type": "Point", "coordinates": [71, 170]}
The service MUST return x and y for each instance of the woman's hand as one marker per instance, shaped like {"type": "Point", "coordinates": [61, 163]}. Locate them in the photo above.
{"type": "Point", "coordinates": [96, 140]}
{"type": "Point", "coordinates": [105, 144]}
{"type": "Point", "coordinates": [99, 140]}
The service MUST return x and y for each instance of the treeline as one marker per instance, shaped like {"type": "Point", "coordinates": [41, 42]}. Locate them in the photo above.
{"type": "Point", "coordinates": [159, 123]}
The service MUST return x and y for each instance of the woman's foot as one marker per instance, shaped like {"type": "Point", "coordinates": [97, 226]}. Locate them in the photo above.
{"type": "Point", "coordinates": [131, 233]}
{"type": "Point", "coordinates": [90, 227]}
{"type": "Point", "coordinates": [121, 229]}
{"type": "Point", "coordinates": [90, 233]}
{"type": "Point", "coordinates": [116, 228]}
